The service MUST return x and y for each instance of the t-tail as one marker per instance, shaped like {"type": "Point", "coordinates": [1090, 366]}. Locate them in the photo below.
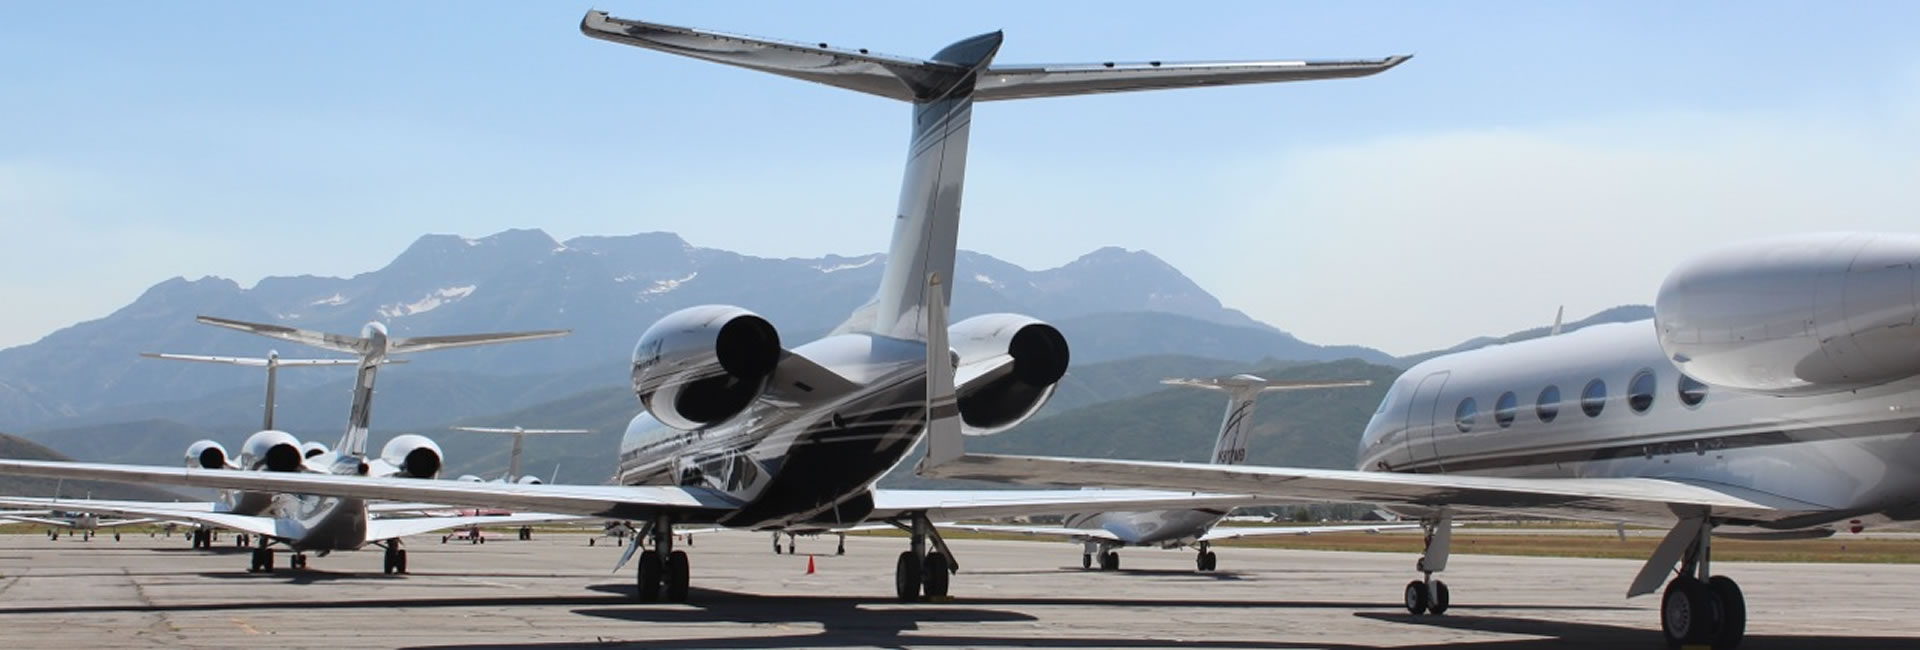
{"type": "Point", "coordinates": [272, 362]}
{"type": "Point", "coordinates": [942, 90]}
{"type": "Point", "coordinates": [373, 347]}
{"type": "Point", "coordinates": [1243, 392]}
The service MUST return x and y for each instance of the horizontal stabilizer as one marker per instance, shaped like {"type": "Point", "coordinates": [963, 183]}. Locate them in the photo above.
{"type": "Point", "coordinates": [518, 430]}
{"type": "Point", "coordinates": [254, 362]}
{"type": "Point", "coordinates": [324, 340]}
{"type": "Point", "coordinates": [425, 343]}
{"type": "Point", "coordinates": [1250, 382]}
{"type": "Point", "coordinates": [917, 80]}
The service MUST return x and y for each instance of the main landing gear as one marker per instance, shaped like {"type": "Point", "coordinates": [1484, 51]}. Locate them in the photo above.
{"type": "Point", "coordinates": [1206, 560]}
{"type": "Point", "coordinates": [201, 538]}
{"type": "Point", "coordinates": [1108, 558]}
{"type": "Point", "coordinates": [1429, 596]}
{"type": "Point", "coordinates": [395, 559]}
{"type": "Point", "coordinates": [1697, 607]}
{"type": "Point", "coordinates": [261, 559]}
{"type": "Point", "coordinates": [919, 569]}
{"type": "Point", "coordinates": [664, 569]}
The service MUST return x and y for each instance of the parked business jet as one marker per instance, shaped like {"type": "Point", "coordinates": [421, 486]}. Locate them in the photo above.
{"type": "Point", "coordinates": [1774, 395]}
{"type": "Point", "coordinates": [742, 431]}
{"type": "Point", "coordinates": [317, 523]}
{"type": "Point", "coordinates": [519, 434]}
{"type": "Point", "coordinates": [81, 523]}
{"type": "Point", "coordinates": [1100, 533]}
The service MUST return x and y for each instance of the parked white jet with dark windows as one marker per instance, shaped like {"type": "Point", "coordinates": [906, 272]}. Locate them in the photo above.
{"type": "Point", "coordinates": [1101, 533]}
{"type": "Point", "coordinates": [1775, 395]}
{"type": "Point", "coordinates": [745, 432]}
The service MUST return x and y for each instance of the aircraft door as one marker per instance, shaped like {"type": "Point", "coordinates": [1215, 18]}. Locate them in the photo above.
{"type": "Point", "coordinates": [1422, 416]}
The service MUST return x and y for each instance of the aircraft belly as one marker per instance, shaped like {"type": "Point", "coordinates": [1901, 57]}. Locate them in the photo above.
{"type": "Point", "coordinates": [326, 524]}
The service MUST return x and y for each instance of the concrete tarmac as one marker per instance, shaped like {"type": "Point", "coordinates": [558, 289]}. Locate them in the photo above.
{"type": "Point", "coordinates": [558, 592]}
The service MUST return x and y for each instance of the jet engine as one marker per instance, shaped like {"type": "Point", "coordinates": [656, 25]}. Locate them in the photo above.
{"type": "Point", "coordinates": [530, 480]}
{"type": "Point", "coordinates": [701, 366]}
{"type": "Point", "coordinates": [412, 456]}
{"type": "Point", "coordinates": [275, 451]}
{"type": "Point", "coordinates": [207, 454]}
{"type": "Point", "coordinates": [310, 449]}
{"type": "Point", "coordinates": [1023, 359]}
{"type": "Point", "coordinates": [1796, 315]}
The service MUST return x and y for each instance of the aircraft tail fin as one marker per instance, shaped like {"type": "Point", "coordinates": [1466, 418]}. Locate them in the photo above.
{"type": "Point", "coordinates": [1243, 391]}
{"type": "Point", "coordinates": [942, 90]}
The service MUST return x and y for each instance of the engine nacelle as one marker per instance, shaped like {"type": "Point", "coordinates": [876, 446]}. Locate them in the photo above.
{"type": "Point", "coordinates": [1000, 399]}
{"type": "Point", "coordinates": [530, 480]}
{"type": "Point", "coordinates": [413, 456]}
{"type": "Point", "coordinates": [207, 454]}
{"type": "Point", "coordinates": [1796, 315]}
{"type": "Point", "coordinates": [701, 366]}
{"type": "Point", "coordinates": [274, 451]}
{"type": "Point", "coordinates": [309, 449]}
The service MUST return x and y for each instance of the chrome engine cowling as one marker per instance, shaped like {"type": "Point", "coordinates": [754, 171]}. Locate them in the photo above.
{"type": "Point", "coordinates": [1002, 398]}
{"type": "Point", "coordinates": [1796, 315]}
{"type": "Point", "coordinates": [207, 454]}
{"type": "Point", "coordinates": [309, 449]}
{"type": "Point", "coordinates": [701, 366]}
{"type": "Point", "coordinates": [530, 480]}
{"type": "Point", "coordinates": [413, 456]}
{"type": "Point", "coordinates": [274, 451]}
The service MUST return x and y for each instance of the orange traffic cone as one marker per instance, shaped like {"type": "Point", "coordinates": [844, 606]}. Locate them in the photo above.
{"type": "Point", "coordinates": [809, 565]}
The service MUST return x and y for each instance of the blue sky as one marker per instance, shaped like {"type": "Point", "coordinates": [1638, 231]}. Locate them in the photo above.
{"type": "Point", "coordinates": [1531, 155]}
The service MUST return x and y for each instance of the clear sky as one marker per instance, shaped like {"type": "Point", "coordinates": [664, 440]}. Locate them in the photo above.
{"type": "Point", "coordinates": [1533, 154]}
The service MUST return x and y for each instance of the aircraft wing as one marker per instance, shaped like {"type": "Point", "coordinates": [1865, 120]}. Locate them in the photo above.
{"type": "Point", "coordinates": [150, 511]}
{"type": "Point", "coordinates": [609, 501]}
{"type": "Point", "coordinates": [1026, 81]}
{"type": "Point", "coordinates": [382, 529]}
{"type": "Point", "coordinates": [1076, 534]}
{"type": "Point", "coordinates": [424, 343]}
{"type": "Point", "coordinates": [1236, 532]}
{"type": "Point", "coordinates": [1638, 500]}
{"type": "Point", "coordinates": [950, 505]}
{"type": "Point", "coordinates": [37, 520]}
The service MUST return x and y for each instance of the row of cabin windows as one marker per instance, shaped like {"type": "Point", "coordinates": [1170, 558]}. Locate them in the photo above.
{"type": "Point", "coordinates": [1593, 400]}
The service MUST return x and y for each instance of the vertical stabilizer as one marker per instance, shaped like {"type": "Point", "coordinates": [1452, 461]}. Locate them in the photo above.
{"type": "Point", "coordinates": [1243, 391]}
{"type": "Point", "coordinates": [942, 90]}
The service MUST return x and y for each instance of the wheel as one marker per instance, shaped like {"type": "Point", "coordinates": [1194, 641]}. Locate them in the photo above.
{"type": "Point", "coordinates": [649, 580]}
{"type": "Point", "coordinates": [789, 549]}
{"type": "Point", "coordinates": [1733, 612]}
{"type": "Point", "coordinates": [1213, 561]}
{"type": "Point", "coordinates": [679, 575]}
{"type": "Point", "coordinates": [1086, 560]}
{"type": "Point", "coordinates": [776, 548]}
{"type": "Point", "coordinates": [1200, 561]}
{"type": "Point", "coordinates": [386, 562]}
{"type": "Point", "coordinates": [906, 577]}
{"type": "Point", "coordinates": [936, 576]}
{"type": "Point", "coordinates": [400, 561]}
{"type": "Point", "coordinates": [1110, 561]}
{"type": "Point", "coordinates": [1687, 613]}
{"type": "Point", "coordinates": [1417, 597]}
{"type": "Point", "coordinates": [1438, 605]}
{"type": "Point", "coordinates": [266, 561]}
{"type": "Point", "coordinates": [253, 562]}
{"type": "Point", "coordinates": [841, 550]}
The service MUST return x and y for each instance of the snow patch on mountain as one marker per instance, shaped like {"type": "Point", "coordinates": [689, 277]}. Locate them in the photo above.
{"type": "Point", "coordinates": [431, 302]}
{"type": "Point", "coordinates": [663, 286]}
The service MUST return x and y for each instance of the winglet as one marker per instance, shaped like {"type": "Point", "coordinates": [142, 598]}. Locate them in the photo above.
{"type": "Point", "coordinates": [1557, 316]}
{"type": "Point", "coordinates": [944, 443]}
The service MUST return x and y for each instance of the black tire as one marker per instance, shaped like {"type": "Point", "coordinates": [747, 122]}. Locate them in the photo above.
{"type": "Point", "coordinates": [386, 562]}
{"type": "Point", "coordinates": [266, 561]}
{"type": "Point", "coordinates": [1112, 563]}
{"type": "Point", "coordinates": [1213, 561]}
{"type": "Point", "coordinates": [1733, 612]}
{"type": "Point", "coordinates": [1441, 599]}
{"type": "Point", "coordinates": [649, 573]}
{"type": "Point", "coordinates": [679, 576]}
{"type": "Point", "coordinates": [1688, 615]}
{"type": "Point", "coordinates": [1417, 597]}
{"type": "Point", "coordinates": [400, 561]}
{"type": "Point", "coordinates": [906, 577]}
{"type": "Point", "coordinates": [1086, 560]}
{"type": "Point", "coordinates": [253, 561]}
{"type": "Point", "coordinates": [936, 578]}
{"type": "Point", "coordinates": [776, 548]}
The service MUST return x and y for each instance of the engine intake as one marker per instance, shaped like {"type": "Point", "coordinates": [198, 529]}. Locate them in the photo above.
{"type": "Point", "coordinates": [1796, 315]}
{"type": "Point", "coordinates": [1012, 393]}
{"type": "Point", "coordinates": [701, 366]}
{"type": "Point", "coordinates": [413, 456]}
{"type": "Point", "coordinates": [310, 449]}
{"type": "Point", "coordinates": [274, 451]}
{"type": "Point", "coordinates": [207, 454]}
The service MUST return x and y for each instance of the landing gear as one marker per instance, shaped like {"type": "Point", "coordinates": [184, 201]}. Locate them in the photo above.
{"type": "Point", "coordinates": [1086, 560]}
{"type": "Point", "coordinates": [201, 538]}
{"type": "Point", "coordinates": [776, 542]}
{"type": "Point", "coordinates": [262, 560]}
{"type": "Point", "coordinates": [921, 570]}
{"type": "Point", "coordinates": [662, 568]}
{"type": "Point", "coordinates": [1699, 608]}
{"type": "Point", "coordinates": [1206, 560]}
{"type": "Point", "coordinates": [1110, 561]}
{"type": "Point", "coordinates": [1427, 595]}
{"type": "Point", "coordinates": [395, 559]}
{"type": "Point", "coordinates": [298, 561]}
{"type": "Point", "coordinates": [838, 550]}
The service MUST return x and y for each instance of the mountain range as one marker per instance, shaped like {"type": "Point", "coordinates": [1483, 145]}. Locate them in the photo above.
{"type": "Point", "coordinates": [1111, 303]}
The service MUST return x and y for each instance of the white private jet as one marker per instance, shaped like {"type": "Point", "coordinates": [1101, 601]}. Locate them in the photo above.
{"type": "Point", "coordinates": [1100, 533]}
{"type": "Point", "coordinates": [316, 523]}
{"type": "Point", "coordinates": [742, 431]}
{"type": "Point", "coordinates": [1774, 395]}
{"type": "Point", "coordinates": [519, 434]}
{"type": "Point", "coordinates": [81, 523]}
